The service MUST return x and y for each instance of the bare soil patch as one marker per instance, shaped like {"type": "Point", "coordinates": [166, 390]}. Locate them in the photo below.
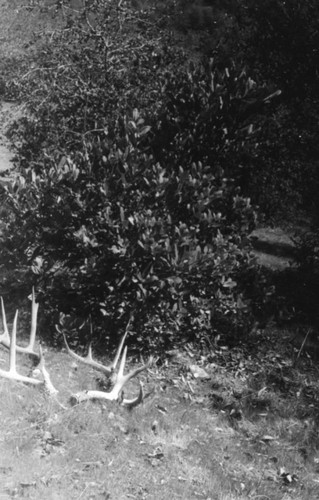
{"type": "Point", "coordinates": [246, 429]}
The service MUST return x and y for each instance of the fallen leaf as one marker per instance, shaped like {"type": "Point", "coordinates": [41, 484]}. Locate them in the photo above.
{"type": "Point", "coordinates": [267, 438]}
{"type": "Point", "coordinates": [198, 372]}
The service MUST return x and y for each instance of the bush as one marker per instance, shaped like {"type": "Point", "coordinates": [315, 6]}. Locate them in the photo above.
{"type": "Point", "coordinates": [127, 201]}
{"type": "Point", "coordinates": [283, 39]}
{"type": "Point", "coordinates": [280, 40]}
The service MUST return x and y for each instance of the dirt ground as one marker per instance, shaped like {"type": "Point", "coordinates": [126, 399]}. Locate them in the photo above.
{"type": "Point", "coordinates": [218, 425]}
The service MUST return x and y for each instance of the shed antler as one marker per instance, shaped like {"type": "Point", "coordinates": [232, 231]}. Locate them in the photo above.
{"type": "Point", "coordinates": [5, 337]}
{"type": "Point", "coordinates": [12, 373]}
{"type": "Point", "coordinates": [118, 379]}
{"type": "Point", "coordinates": [116, 393]}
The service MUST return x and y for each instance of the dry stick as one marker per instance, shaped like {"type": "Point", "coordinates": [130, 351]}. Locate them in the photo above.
{"type": "Point", "coordinates": [302, 345]}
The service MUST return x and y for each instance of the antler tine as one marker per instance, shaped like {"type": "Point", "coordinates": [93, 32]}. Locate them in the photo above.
{"type": "Point", "coordinates": [88, 360]}
{"type": "Point", "coordinates": [121, 344]}
{"type": "Point", "coordinates": [34, 319]}
{"type": "Point", "coordinates": [12, 372]}
{"type": "Point", "coordinates": [119, 349]}
{"type": "Point", "coordinates": [122, 379]}
{"type": "Point", "coordinates": [13, 343]}
{"type": "Point", "coordinates": [5, 337]}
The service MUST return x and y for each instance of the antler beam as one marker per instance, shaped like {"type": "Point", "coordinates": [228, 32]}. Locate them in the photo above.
{"type": "Point", "coordinates": [88, 360]}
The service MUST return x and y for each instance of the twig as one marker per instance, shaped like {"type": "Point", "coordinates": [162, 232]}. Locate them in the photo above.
{"type": "Point", "coordinates": [81, 494]}
{"type": "Point", "coordinates": [302, 345]}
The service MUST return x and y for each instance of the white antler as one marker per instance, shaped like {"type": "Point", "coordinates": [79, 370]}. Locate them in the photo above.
{"type": "Point", "coordinates": [88, 360]}
{"type": "Point", "coordinates": [116, 393]}
{"type": "Point", "coordinates": [12, 373]}
{"type": "Point", "coordinates": [5, 337]}
{"type": "Point", "coordinates": [46, 382]}
{"type": "Point", "coordinates": [118, 379]}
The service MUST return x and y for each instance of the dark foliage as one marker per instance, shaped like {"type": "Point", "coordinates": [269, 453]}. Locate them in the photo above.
{"type": "Point", "coordinates": [279, 40]}
{"type": "Point", "coordinates": [126, 201]}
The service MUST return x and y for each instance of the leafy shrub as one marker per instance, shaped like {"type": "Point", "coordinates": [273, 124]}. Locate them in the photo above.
{"type": "Point", "coordinates": [128, 200]}
{"type": "Point", "coordinates": [280, 40]}
{"type": "Point", "coordinates": [285, 37]}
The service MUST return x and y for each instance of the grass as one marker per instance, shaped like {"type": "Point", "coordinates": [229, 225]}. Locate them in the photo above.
{"type": "Point", "coordinates": [94, 450]}
{"type": "Point", "coordinates": [249, 431]}
{"type": "Point", "coordinates": [257, 440]}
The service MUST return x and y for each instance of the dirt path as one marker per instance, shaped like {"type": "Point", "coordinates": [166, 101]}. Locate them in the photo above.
{"type": "Point", "coordinates": [5, 154]}
{"type": "Point", "coordinates": [9, 112]}
{"type": "Point", "coordinates": [274, 248]}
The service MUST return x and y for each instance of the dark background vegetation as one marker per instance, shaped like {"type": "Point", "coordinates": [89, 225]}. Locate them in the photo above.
{"type": "Point", "coordinates": [158, 135]}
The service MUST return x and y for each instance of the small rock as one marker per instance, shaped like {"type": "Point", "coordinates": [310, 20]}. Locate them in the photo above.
{"type": "Point", "coordinates": [198, 372]}
{"type": "Point", "coordinates": [47, 436]}
{"type": "Point", "coordinates": [154, 427]}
